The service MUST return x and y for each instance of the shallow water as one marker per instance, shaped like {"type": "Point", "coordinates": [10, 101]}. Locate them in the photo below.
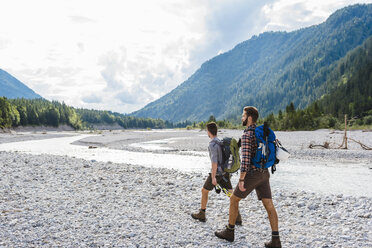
{"type": "Point", "coordinates": [63, 146]}
{"type": "Point", "coordinates": [157, 144]}
{"type": "Point", "coordinates": [302, 175]}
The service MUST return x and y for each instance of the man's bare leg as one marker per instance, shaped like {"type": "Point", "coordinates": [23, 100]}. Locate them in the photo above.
{"type": "Point", "coordinates": [273, 216]}
{"type": "Point", "coordinates": [204, 199]}
{"type": "Point", "coordinates": [234, 209]}
{"type": "Point", "coordinates": [228, 233]}
{"type": "Point", "coordinates": [238, 219]}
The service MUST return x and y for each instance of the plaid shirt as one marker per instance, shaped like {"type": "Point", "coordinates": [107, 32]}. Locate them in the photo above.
{"type": "Point", "coordinates": [249, 147]}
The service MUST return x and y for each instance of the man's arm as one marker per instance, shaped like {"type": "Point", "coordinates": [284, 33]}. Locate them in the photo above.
{"type": "Point", "coordinates": [246, 156]}
{"type": "Point", "coordinates": [214, 161]}
{"type": "Point", "coordinates": [242, 175]}
{"type": "Point", "coordinates": [241, 181]}
{"type": "Point", "coordinates": [246, 147]}
{"type": "Point", "coordinates": [214, 172]}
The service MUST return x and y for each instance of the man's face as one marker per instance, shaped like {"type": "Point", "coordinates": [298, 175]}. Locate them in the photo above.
{"type": "Point", "coordinates": [244, 119]}
{"type": "Point", "coordinates": [209, 134]}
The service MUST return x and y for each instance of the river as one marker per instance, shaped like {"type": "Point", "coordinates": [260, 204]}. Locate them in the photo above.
{"type": "Point", "coordinates": [350, 179]}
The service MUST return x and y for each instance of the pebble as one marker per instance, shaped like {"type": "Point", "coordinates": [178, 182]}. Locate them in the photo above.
{"type": "Point", "coordinates": [313, 207]}
{"type": "Point", "coordinates": [301, 204]}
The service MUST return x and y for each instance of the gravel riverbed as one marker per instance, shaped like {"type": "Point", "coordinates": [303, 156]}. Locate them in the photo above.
{"type": "Point", "coordinates": [61, 201]}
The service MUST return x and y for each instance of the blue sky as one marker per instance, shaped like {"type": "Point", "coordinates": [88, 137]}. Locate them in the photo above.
{"type": "Point", "coordinates": [120, 55]}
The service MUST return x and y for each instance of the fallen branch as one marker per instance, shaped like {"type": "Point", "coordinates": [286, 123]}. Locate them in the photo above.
{"type": "Point", "coordinates": [361, 144]}
{"type": "Point", "coordinates": [343, 142]}
{"type": "Point", "coordinates": [325, 145]}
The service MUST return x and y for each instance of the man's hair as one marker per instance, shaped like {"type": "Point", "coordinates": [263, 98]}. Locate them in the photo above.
{"type": "Point", "coordinates": [251, 111]}
{"type": "Point", "coordinates": [212, 128]}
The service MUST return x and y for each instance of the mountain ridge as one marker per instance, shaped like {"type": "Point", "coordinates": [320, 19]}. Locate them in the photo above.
{"type": "Point", "coordinates": [11, 87]}
{"type": "Point", "coordinates": [273, 67]}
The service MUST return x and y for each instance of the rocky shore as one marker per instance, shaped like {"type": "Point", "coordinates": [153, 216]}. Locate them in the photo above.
{"type": "Point", "coordinates": [58, 201]}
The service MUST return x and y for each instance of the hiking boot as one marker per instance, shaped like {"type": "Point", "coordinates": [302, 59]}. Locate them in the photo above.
{"type": "Point", "coordinates": [238, 220]}
{"type": "Point", "coordinates": [227, 234]}
{"type": "Point", "coordinates": [274, 243]}
{"type": "Point", "coordinates": [199, 216]}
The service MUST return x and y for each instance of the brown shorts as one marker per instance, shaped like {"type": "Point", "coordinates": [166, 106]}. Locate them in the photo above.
{"type": "Point", "coordinates": [255, 180]}
{"type": "Point", "coordinates": [223, 181]}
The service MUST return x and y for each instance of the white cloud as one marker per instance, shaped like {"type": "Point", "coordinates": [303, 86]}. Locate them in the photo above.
{"type": "Point", "coordinates": [81, 19]}
{"type": "Point", "coordinates": [289, 15]}
{"type": "Point", "coordinates": [120, 55]}
{"type": "Point", "coordinates": [3, 43]}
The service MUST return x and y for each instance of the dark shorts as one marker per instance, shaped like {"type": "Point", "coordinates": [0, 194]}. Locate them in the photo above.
{"type": "Point", "coordinates": [255, 180]}
{"type": "Point", "coordinates": [223, 181]}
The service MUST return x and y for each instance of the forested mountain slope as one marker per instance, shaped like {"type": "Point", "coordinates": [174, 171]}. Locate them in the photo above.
{"type": "Point", "coordinates": [349, 87]}
{"type": "Point", "coordinates": [268, 71]}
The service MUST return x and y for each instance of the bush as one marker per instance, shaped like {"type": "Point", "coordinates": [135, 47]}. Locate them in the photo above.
{"type": "Point", "coordinates": [367, 120]}
{"type": "Point", "coordinates": [332, 122]}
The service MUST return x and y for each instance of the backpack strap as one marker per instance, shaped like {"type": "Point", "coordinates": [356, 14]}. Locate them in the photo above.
{"type": "Point", "coordinates": [273, 168]}
{"type": "Point", "coordinates": [266, 133]}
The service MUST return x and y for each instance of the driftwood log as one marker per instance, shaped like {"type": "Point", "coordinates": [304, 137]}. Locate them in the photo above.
{"type": "Point", "coordinates": [325, 145]}
{"type": "Point", "coordinates": [361, 144]}
{"type": "Point", "coordinates": [344, 141]}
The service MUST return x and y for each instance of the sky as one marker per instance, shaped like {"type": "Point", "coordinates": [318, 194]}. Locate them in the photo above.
{"type": "Point", "coordinates": [120, 55]}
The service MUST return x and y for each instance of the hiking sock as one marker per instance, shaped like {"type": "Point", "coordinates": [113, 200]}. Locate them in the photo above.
{"type": "Point", "coordinates": [276, 233]}
{"type": "Point", "coordinates": [203, 209]}
{"type": "Point", "coordinates": [231, 226]}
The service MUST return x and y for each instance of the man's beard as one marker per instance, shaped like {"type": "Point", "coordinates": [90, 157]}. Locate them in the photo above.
{"type": "Point", "coordinates": [244, 123]}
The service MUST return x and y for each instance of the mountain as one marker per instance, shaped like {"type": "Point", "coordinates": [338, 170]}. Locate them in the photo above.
{"type": "Point", "coordinates": [348, 90]}
{"type": "Point", "coordinates": [11, 87]}
{"type": "Point", "coordinates": [349, 86]}
{"type": "Point", "coordinates": [268, 71]}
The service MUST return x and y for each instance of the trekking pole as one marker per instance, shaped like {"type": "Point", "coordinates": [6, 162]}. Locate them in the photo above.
{"type": "Point", "coordinates": [227, 192]}
{"type": "Point", "coordinates": [218, 189]}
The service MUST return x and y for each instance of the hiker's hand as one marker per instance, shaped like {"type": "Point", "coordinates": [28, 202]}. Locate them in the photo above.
{"type": "Point", "coordinates": [241, 186]}
{"type": "Point", "coordinates": [214, 181]}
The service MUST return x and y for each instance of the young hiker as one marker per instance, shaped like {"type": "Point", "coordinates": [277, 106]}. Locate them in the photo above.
{"type": "Point", "coordinates": [251, 178]}
{"type": "Point", "coordinates": [217, 176]}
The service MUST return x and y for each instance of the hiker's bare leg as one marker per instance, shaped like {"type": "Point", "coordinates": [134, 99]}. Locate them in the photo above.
{"type": "Point", "coordinates": [273, 216]}
{"type": "Point", "coordinates": [234, 208]}
{"type": "Point", "coordinates": [204, 199]}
